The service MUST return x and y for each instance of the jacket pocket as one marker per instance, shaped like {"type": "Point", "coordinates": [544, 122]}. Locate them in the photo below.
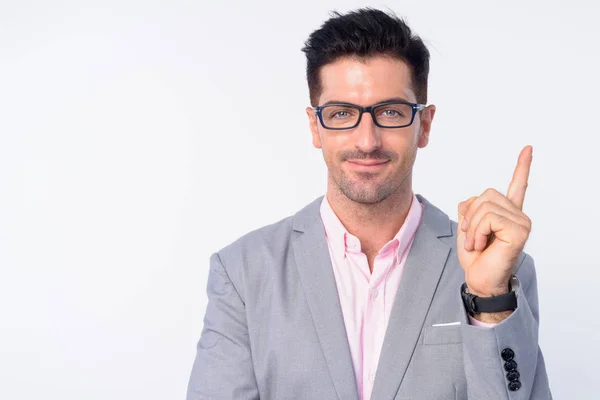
{"type": "Point", "coordinates": [442, 335]}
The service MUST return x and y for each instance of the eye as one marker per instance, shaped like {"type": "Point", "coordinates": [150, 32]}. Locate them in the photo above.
{"type": "Point", "coordinates": [340, 113]}
{"type": "Point", "coordinates": [390, 113]}
{"type": "Point", "coordinates": [394, 111]}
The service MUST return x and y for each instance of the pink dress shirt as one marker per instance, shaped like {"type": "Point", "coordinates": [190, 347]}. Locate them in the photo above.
{"type": "Point", "coordinates": [366, 298]}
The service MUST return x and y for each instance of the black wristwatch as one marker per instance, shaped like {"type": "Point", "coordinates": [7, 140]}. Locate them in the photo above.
{"type": "Point", "coordinates": [475, 304]}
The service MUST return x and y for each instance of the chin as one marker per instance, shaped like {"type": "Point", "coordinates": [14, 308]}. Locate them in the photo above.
{"type": "Point", "coordinates": [366, 194]}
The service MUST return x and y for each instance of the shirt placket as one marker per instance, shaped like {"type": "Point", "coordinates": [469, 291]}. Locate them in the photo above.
{"type": "Point", "coordinates": [373, 335]}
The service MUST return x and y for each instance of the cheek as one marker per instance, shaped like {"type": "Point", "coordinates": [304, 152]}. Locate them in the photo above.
{"type": "Point", "coordinates": [401, 145]}
{"type": "Point", "coordinates": [333, 145]}
{"type": "Point", "coordinates": [329, 153]}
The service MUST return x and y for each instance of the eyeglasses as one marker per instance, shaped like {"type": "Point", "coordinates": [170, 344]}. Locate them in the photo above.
{"type": "Point", "coordinates": [389, 114]}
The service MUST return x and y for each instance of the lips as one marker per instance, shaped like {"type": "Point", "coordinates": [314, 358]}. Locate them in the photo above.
{"type": "Point", "coordinates": [367, 165]}
{"type": "Point", "coordinates": [368, 162]}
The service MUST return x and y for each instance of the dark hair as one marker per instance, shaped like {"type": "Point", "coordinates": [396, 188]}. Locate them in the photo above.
{"type": "Point", "coordinates": [365, 33]}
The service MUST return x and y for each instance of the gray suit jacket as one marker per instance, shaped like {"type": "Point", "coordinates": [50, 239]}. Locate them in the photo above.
{"type": "Point", "coordinates": [274, 329]}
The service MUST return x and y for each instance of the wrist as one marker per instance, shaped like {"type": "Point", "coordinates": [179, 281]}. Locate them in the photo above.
{"type": "Point", "coordinates": [492, 318]}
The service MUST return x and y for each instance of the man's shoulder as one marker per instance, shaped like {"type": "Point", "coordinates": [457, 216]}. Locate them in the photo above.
{"type": "Point", "coordinates": [272, 237]}
{"type": "Point", "coordinates": [258, 238]}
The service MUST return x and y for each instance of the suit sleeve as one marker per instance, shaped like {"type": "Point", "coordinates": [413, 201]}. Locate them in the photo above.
{"type": "Point", "coordinates": [223, 365]}
{"type": "Point", "coordinates": [507, 356]}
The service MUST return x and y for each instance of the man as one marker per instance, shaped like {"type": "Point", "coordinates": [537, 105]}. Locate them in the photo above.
{"type": "Point", "coordinates": [371, 292]}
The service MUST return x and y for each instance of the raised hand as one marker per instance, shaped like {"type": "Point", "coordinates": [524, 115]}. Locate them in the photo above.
{"type": "Point", "coordinates": [492, 231]}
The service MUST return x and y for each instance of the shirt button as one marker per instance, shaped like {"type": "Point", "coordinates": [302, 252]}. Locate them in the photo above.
{"type": "Point", "coordinates": [372, 376]}
{"type": "Point", "coordinates": [375, 293]}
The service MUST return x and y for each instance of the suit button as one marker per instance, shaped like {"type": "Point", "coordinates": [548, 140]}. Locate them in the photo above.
{"type": "Point", "coordinates": [507, 354]}
{"type": "Point", "coordinates": [510, 365]}
{"type": "Point", "coordinates": [513, 375]}
{"type": "Point", "coordinates": [514, 386]}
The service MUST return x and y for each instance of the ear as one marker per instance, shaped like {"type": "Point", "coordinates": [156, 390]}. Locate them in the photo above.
{"type": "Point", "coordinates": [426, 119]}
{"type": "Point", "coordinates": [313, 123]}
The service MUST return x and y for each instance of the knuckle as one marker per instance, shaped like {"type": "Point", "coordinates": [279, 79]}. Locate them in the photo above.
{"type": "Point", "coordinates": [524, 221]}
{"type": "Point", "coordinates": [522, 234]}
{"type": "Point", "coordinates": [471, 200]}
{"type": "Point", "coordinates": [487, 218]}
{"type": "Point", "coordinates": [489, 213]}
{"type": "Point", "coordinates": [487, 205]}
{"type": "Point", "coordinates": [469, 211]}
{"type": "Point", "coordinates": [490, 192]}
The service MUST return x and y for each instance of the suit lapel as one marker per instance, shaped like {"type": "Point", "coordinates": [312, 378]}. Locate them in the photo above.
{"type": "Point", "coordinates": [424, 266]}
{"type": "Point", "coordinates": [316, 274]}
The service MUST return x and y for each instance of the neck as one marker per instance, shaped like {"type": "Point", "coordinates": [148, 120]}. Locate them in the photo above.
{"type": "Point", "coordinates": [373, 224]}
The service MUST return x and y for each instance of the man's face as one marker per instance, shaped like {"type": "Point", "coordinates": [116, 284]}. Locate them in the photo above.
{"type": "Point", "coordinates": [368, 163]}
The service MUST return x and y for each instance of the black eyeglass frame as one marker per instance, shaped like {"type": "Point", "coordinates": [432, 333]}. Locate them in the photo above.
{"type": "Point", "coordinates": [369, 109]}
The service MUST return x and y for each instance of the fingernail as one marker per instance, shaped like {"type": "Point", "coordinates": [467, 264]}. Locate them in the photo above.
{"type": "Point", "coordinates": [464, 224]}
{"type": "Point", "coordinates": [466, 243]}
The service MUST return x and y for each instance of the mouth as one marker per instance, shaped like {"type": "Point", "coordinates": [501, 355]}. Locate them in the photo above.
{"type": "Point", "coordinates": [367, 165]}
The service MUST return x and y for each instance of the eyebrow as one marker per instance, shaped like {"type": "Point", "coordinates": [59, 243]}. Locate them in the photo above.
{"type": "Point", "coordinates": [382, 101]}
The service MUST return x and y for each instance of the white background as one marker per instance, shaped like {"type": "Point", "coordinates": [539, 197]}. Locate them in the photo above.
{"type": "Point", "coordinates": [138, 137]}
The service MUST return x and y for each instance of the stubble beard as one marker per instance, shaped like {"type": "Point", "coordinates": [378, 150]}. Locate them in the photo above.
{"type": "Point", "coordinates": [364, 188]}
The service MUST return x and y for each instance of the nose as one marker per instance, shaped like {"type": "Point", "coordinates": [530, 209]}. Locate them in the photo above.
{"type": "Point", "coordinates": [367, 135]}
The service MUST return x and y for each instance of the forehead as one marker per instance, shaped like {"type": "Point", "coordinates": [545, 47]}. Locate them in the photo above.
{"type": "Point", "coordinates": [366, 81]}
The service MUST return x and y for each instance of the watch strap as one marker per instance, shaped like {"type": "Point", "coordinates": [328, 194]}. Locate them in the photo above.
{"type": "Point", "coordinates": [475, 304]}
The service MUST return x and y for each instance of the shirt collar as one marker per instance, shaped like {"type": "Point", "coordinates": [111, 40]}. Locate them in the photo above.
{"type": "Point", "coordinates": [342, 241]}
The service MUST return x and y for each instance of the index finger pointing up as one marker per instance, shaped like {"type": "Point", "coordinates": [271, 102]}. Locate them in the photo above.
{"type": "Point", "coordinates": [518, 185]}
